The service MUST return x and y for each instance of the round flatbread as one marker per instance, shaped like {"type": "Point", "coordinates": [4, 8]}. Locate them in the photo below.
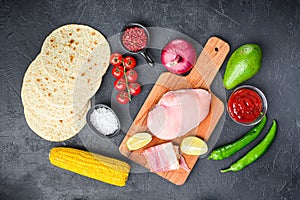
{"type": "Point", "coordinates": [38, 100]}
{"type": "Point", "coordinates": [56, 92]}
{"type": "Point", "coordinates": [55, 130]}
{"type": "Point", "coordinates": [76, 51]}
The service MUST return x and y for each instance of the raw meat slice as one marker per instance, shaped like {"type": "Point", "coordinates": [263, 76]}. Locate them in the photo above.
{"type": "Point", "coordinates": [161, 158]}
{"type": "Point", "coordinates": [178, 112]}
{"type": "Point", "coordinates": [183, 164]}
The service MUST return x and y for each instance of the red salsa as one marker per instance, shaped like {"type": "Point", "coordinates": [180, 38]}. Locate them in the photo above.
{"type": "Point", "coordinates": [245, 105]}
{"type": "Point", "coordinates": [134, 39]}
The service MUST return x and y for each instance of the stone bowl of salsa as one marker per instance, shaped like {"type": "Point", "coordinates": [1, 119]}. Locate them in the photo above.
{"type": "Point", "coordinates": [247, 105]}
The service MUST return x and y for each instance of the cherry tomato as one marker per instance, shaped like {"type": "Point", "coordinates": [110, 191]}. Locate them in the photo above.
{"type": "Point", "coordinates": [132, 75]}
{"type": "Point", "coordinates": [120, 84]}
{"type": "Point", "coordinates": [122, 97]}
{"type": "Point", "coordinates": [121, 67]}
{"type": "Point", "coordinates": [129, 62]}
{"type": "Point", "coordinates": [117, 72]}
{"type": "Point", "coordinates": [134, 88]}
{"type": "Point", "coordinates": [116, 59]}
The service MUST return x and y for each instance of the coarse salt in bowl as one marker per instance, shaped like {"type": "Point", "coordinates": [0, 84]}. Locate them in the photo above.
{"type": "Point", "coordinates": [103, 121]}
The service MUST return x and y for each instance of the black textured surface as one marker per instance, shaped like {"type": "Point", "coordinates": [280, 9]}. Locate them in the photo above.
{"type": "Point", "coordinates": [25, 171]}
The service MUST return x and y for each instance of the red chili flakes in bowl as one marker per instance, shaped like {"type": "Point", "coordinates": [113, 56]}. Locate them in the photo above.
{"type": "Point", "coordinates": [134, 39]}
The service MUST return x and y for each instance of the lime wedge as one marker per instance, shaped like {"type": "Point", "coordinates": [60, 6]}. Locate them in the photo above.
{"type": "Point", "coordinates": [193, 146]}
{"type": "Point", "coordinates": [138, 141]}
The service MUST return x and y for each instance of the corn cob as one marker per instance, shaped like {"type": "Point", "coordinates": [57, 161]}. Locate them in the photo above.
{"type": "Point", "coordinates": [108, 170]}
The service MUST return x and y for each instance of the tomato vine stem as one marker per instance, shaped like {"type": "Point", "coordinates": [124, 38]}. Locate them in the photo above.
{"type": "Point", "coordinates": [127, 85]}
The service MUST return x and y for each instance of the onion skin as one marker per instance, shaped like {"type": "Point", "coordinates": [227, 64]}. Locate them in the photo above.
{"type": "Point", "coordinates": [178, 56]}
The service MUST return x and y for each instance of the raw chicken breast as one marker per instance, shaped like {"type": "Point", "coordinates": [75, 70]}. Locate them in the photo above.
{"type": "Point", "coordinates": [178, 112]}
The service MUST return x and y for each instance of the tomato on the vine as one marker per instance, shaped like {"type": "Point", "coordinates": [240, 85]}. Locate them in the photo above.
{"type": "Point", "coordinates": [132, 75]}
{"type": "Point", "coordinates": [134, 88]}
{"type": "Point", "coordinates": [120, 84]}
{"type": "Point", "coordinates": [129, 62]}
{"type": "Point", "coordinates": [122, 97]}
{"type": "Point", "coordinates": [125, 77]}
{"type": "Point", "coordinates": [117, 72]}
{"type": "Point", "coordinates": [116, 59]}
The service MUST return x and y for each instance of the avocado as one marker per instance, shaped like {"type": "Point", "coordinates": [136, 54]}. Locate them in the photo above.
{"type": "Point", "coordinates": [242, 65]}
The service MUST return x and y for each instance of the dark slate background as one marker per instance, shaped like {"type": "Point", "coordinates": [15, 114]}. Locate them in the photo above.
{"type": "Point", "coordinates": [25, 172]}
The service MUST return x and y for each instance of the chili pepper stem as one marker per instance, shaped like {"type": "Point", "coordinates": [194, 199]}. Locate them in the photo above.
{"type": "Point", "coordinates": [210, 157]}
{"type": "Point", "coordinates": [225, 170]}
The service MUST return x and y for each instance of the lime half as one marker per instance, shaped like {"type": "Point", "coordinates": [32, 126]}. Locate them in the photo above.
{"type": "Point", "coordinates": [193, 146]}
{"type": "Point", "coordinates": [138, 141]}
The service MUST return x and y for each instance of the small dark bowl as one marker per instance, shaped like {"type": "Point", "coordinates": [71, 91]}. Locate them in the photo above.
{"type": "Point", "coordinates": [142, 52]}
{"type": "Point", "coordinates": [132, 25]}
{"type": "Point", "coordinates": [88, 120]}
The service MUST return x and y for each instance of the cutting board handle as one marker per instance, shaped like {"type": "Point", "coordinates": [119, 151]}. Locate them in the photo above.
{"type": "Point", "coordinates": [209, 62]}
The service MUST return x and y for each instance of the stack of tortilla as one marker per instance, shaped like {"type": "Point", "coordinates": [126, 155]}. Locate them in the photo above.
{"type": "Point", "coordinates": [59, 83]}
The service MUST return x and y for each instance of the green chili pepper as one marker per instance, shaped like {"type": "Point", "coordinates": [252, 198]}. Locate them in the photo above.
{"type": "Point", "coordinates": [256, 152]}
{"type": "Point", "coordinates": [230, 149]}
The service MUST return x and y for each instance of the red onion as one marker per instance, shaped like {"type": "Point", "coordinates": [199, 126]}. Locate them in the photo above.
{"type": "Point", "coordinates": [178, 56]}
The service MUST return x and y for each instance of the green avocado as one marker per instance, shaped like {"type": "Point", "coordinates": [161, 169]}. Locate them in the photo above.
{"type": "Point", "coordinates": [242, 65]}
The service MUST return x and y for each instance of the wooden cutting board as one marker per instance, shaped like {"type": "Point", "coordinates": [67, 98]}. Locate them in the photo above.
{"type": "Point", "coordinates": [201, 76]}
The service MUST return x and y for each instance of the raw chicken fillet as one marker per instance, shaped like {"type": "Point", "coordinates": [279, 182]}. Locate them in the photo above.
{"type": "Point", "coordinates": [178, 112]}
